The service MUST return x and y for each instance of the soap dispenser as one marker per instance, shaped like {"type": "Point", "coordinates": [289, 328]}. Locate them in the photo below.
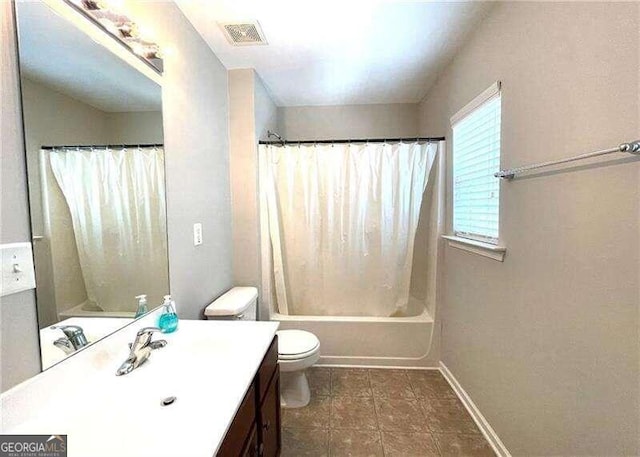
{"type": "Point", "coordinates": [168, 321]}
{"type": "Point", "coordinates": [142, 306]}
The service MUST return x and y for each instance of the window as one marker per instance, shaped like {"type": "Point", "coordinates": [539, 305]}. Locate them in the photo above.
{"type": "Point", "coordinates": [476, 157]}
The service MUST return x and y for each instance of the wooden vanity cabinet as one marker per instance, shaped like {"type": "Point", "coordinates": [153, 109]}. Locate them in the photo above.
{"type": "Point", "coordinates": [256, 428]}
{"type": "Point", "coordinates": [269, 419]}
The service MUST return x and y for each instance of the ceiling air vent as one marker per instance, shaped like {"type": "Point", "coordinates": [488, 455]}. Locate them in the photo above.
{"type": "Point", "coordinates": [245, 34]}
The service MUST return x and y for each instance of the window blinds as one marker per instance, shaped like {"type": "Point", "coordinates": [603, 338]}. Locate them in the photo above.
{"type": "Point", "coordinates": [476, 157]}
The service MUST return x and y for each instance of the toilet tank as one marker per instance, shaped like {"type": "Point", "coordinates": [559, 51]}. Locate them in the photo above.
{"type": "Point", "coordinates": [239, 303]}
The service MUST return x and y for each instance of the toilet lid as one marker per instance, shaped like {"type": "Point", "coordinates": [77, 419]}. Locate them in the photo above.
{"type": "Point", "coordinates": [294, 342]}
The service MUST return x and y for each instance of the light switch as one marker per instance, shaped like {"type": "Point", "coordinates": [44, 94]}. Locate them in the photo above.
{"type": "Point", "coordinates": [17, 268]}
{"type": "Point", "coordinates": [197, 234]}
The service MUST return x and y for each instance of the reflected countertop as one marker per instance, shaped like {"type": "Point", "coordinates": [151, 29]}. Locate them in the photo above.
{"type": "Point", "coordinates": [95, 328]}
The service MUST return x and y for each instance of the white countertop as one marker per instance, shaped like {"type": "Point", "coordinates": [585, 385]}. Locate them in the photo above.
{"type": "Point", "coordinates": [207, 365]}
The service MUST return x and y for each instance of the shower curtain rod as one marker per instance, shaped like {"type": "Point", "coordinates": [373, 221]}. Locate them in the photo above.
{"type": "Point", "coordinates": [359, 140]}
{"type": "Point", "coordinates": [92, 146]}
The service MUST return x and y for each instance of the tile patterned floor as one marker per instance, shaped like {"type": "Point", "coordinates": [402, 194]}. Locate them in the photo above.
{"type": "Point", "coordinates": [370, 412]}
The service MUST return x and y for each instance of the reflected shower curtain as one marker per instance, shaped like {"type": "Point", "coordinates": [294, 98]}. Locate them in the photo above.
{"type": "Point", "coordinates": [116, 198]}
{"type": "Point", "coordinates": [342, 220]}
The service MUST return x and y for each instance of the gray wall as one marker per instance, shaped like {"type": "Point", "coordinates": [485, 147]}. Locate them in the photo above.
{"type": "Point", "coordinates": [142, 127]}
{"type": "Point", "coordinates": [546, 343]}
{"type": "Point", "coordinates": [19, 351]}
{"type": "Point", "coordinates": [266, 118]}
{"type": "Point", "coordinates": [244, 178]}
{"type": "Point", "coordinates": [196, 137]}
{"type": "Point", "coordinates": [348, 121]}
{"type": "Point", "coordinates": [252, 112]}
{"type": "Point", "coordinates": [266, 112]}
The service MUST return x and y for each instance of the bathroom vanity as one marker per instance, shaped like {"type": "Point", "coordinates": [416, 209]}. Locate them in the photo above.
{"type": "Point", "coordinates": [223, 375]}
{"type": "Point", "coordinates": [256, 428]}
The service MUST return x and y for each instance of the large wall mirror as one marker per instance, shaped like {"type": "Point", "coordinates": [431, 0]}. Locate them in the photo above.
{"type": "Point", "coordinates": [95, 161]}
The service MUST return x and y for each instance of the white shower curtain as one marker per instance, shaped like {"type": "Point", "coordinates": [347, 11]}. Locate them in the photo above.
{"type": "Point", "coordinates": [342, 220]}
{"type": "Point", "coordinates": [116, 198]}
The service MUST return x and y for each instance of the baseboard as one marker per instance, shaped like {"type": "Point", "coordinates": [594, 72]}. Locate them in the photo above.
{"type": "Point", "coordinates": [377, 362]}
{"type": "Point", "coordinates": [486, 429]}
{"type": "Point", "coordinates": [381, 367]}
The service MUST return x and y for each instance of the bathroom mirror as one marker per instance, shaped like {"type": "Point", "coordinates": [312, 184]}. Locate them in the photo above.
{"type": "Point", "coordinates": [95, 163]}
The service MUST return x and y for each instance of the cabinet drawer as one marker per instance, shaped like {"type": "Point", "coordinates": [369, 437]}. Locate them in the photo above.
{"type": "Point", "coordinates": [238, 433]}
{"type": "Point", "coordinates": [267, 368]}
{"type": "Point", "coordinates": [269, 422]}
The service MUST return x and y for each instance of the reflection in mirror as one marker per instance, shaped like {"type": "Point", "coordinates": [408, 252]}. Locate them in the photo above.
{"type": "Point", "coordinates": [95, 160]}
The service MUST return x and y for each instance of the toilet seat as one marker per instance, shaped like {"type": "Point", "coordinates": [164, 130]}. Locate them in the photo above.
{"type": "Point", "coordinates": [304, 355]}
{"type": "Point", "coordinates": [296, 344]}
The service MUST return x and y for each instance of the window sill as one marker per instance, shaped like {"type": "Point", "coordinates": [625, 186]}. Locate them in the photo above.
{"type": "Point", "coordinates": [477, 247]}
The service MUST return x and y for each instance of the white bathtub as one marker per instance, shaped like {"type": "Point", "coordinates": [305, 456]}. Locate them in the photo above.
{"type": "Point", "coordinates": [367, 341]}
{"type": "Point", "coordinates": [81, 311]}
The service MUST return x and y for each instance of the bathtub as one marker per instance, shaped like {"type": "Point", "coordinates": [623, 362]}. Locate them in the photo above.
{"type": "Point", "coordinates": [367, 341]}
{"type": "Point", "coordinates": [82, 311]}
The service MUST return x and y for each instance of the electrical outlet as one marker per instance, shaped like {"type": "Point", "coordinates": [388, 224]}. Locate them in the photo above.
{"type": "Point", "coordinates": [17, 268]}
{"type": "Point", "coordinates": [197, 234]}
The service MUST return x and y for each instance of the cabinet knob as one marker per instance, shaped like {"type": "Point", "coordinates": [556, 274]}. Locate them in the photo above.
{"type": "Point", "coordinates": [267, 425]}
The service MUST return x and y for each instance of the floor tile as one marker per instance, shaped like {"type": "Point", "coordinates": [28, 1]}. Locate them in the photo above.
{"type": "Point", "coordinates": [430, 384]}
{"type": "Point", "coordinates": [362, 412]}
{"type": "Point", "coordinates": [397, 415]}
{"type": "Point", "coordinates": [305, 442]}
{"type": "Point", "coordinates": [448, 416]}
{"type": "Point", "coordinates": [353, 413]}
{"type": "Point", "coordinates": [409, 445]}
{"type": "Point", "coordinates": [463, 445]}
{"type": "Point", "coordinates": [319, 381]}
{"type": "Point", "coordinates": [314, 415]}
{"type": "Point", "coordinates": [390, 384]}
{"type": "Point", "coordinates": [350, 382]}
{"type": "Point", "coordinates": [360, 443]}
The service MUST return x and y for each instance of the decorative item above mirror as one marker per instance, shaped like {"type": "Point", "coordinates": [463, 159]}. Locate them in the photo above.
{"type": "Point", "coordinates": [95, 164]}
{"type": "Point", "coordinates": [109, 15]}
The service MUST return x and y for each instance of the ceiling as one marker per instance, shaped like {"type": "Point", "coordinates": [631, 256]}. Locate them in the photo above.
{"type": "Point", "coordinates": [55, 53]}
{"type": "Point", "coordinates": [341, 52]}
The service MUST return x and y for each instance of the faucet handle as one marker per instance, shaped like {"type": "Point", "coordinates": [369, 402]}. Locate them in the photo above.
{"type": "Point", "coordinates": [68, 330]}
{"type": "Point", "coordinates": [148, 331]}
{"type": "Point", "coordinates": [65, 345]}
{"type": "Point", "coordinates": [74, 333]}
{"type": "Point", "coordinates": [143, 338]}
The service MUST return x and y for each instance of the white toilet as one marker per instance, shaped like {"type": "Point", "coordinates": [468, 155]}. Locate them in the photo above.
{"type": "Point", "coordinates": [237, 304]}
{"type": "Point", "coordinates": [297, 349]}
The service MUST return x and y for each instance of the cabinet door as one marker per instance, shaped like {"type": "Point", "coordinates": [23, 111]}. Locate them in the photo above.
{"type": "Point", "coordinates": [270, 419]}
{"type": "Point", "coordinates": [240, 429]}
{"type": "Point", "coordinates": [267, 368]}
{"type": "Point", "coordinates": [251, 447]}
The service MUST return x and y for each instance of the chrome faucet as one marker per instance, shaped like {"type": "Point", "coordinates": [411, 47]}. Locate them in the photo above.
{"type": "Point", "coordinates": [140, 350]}
{"type": "Point", "coordinates": [75, 338]}
{"type": "Point", "coordinates": [65, 345]}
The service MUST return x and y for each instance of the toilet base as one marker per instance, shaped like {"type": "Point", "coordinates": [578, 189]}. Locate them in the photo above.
{"type": "Point", "coordinates": [294, 389]}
